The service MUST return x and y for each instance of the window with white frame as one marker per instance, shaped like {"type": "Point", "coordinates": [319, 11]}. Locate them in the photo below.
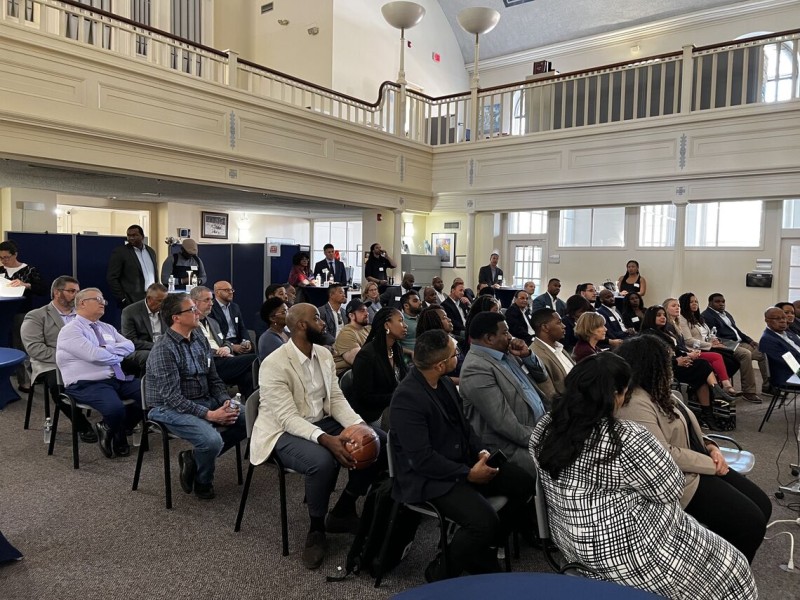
{"type": "Point", "coordinates": [592, 227]}
{"type": "Point", "coordinates": [346, 239]}
{"type": "Point", "coordinates": [724, 224]}
{"type": "Point", "coordinates": [518, 118]}
{"type": "Point", "coordinates": [657, 226]}
{"type": "Point", "coordinates": [526, 223]}
{"type": "Point", "coordinates": [780, 77]}
{"type": "Point", "coordinates": [791, 214]}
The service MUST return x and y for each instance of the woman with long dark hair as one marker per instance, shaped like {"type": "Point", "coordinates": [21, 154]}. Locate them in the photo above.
{"type": "Point", "coordinates": [379, 365]}
{"type": "Point", "coordinates": [632, 311]}
{"type": "Point", "coordinates": [632, 281]}
{"type": "Point", "coordinates": [576, 305]}
{"type": "Point", "coordinates": [723, 500]}
{"type": "Point", "coordinates": [613, 495]}
{"type": "Point", "coordinates": [434, 317]}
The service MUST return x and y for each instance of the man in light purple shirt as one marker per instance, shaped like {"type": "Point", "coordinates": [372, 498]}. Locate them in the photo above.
{"type": "Point", "coordinates": [89, 354]}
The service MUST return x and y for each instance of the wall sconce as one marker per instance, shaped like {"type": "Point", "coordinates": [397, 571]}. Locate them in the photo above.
{"type": "Point", "coordinates": [313, 30]}
{"type": "Point", "coordinates": [283, 22]}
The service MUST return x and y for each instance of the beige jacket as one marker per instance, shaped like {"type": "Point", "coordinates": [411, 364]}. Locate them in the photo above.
{"type": "Point", "coordinates": [283, 407]}
{"type": "Point", "coordinates": [691, 334]}
{"type": "Point", "coordinates": [555, 383]}
{"type": "Point", "coordinates": [674, 436]}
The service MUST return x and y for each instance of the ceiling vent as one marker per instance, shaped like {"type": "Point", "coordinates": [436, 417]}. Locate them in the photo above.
{"type": "Point", "coordinates": [265, 8]}
{"type": "Point", "coordinates": [452, 224]}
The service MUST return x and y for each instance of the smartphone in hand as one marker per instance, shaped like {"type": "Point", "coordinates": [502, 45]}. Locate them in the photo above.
{"type": "Point", "coordinates": [496, 459]}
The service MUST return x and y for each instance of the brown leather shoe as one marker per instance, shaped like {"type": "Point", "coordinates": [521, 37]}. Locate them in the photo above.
{"type": "Point", "coordinates": [314, 552]}
{"type": "Point", "coordinates": [754, 398]}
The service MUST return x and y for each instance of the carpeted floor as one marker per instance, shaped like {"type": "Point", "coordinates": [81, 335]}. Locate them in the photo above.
{"type": "Point", "coordinates": [87, 536]}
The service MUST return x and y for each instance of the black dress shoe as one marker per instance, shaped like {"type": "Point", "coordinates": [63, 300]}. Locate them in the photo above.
{"type": "Point", "coordinates": [204, 491]}
{"type": "Point", "coordinates": [342, 523]}
{"type": "Point", "coordinates": [88, 436]}
{"type": "Point", "coordinates": [104, 438]}
{"type": "Point", "coordinates": [122, 449]}
{"type": "Point", "coordinates": [188, 469]}
{"type": "Point", "coordinates": [314, 552]}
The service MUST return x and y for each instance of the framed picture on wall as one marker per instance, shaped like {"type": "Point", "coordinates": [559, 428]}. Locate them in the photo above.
{"type": "Point", "coordinates": [214, 225]}
{"type": "Point", "coordinates": [444, 246]}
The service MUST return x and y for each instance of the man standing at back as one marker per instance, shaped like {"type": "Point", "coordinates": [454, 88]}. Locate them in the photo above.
{"type": "Point", "coordinates": [329, 268]}
{"type": "Point", "coordinates": [229, 317]}
{"type": "Point", "coordinates": [131, 268]}
{"type": "Point", "coordinates": [491, 274]}
{"type": "Point", "coordinates": [183, 263]}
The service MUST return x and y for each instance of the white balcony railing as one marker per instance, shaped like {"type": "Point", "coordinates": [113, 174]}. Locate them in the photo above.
{"type": "Point", "coordinates": [752, 71]}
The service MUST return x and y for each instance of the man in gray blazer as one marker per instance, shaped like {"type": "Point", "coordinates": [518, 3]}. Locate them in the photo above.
{"type": "Point", "coordinates": [547, 346]}
{"type": "Point", "coordinates": [141, 323]}
{"type": "Point", "coordinates": [498, 387]}
{"type": "Point", "coordinates": [333, 314]}
{"type": "Point", "coordinates": [39, 336]}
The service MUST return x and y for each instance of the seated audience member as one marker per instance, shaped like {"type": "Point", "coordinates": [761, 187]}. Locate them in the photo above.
{"type": "Point", "coordinates": [717, 317]}
{"type": "Point", "coordinates": [291, 294]}
{"type": "Point", "coordinates": [550, 299]}
{"type": "Point", "coordinates": [485, 290]}
{"type": "Point", "coordinates": [518, 317]}
{"type": "Point", "coordinates": [229, 317]}
{"type": "Point", "coordinates": [89, 354]}
{"type": "Point", "coordinates": [410, 307]}
{"type": "Point", "coordinates": [185, 393]}
{"type": "Point", "coordinates": [547, 347]}
{"type": "Point", "coordinates": [434, 317]}
{"type": "Point", "coordinates": [613, 494]}
{"type": "Point", "coordinates": [379, 366]}
{"type": "Point", "coordinates": [301, 419]}
{"type": "Point", "coordinates": [352, 338]}
{"type": "Point", "coordinates": [632, 282]}
{"type": "Point", "coordinates": [776, 341]}
{"type": "Point", "coordinates": [273, 290]}
{"type": "Point", "coordinates": [391, 297]}
{"type": "Point", "coordinates": [439, 459]}
{"type": "Point", "coordinates": [232, 369]}
{"type": "Point", "coordinates": [141, 322]}
{"type": "Point", "coordinates": [695, 331]}
{"type": "Point", "coordinates": [607, 308]}
{"type": "Point", "coordinates": [530, 289]}
{"type": "Point", "coordinates": [673, 309]}
{"type": "Point", "coordinates": [183, 263]}
{"type": "Point", "coordinates": [575, 306]}
{"type": "Point", "coordinates": [590, 329]}
{"type": "Point", "coordinates": [791, 317]}
{"type": "Point", "coordinates": [632, 311]}
{"type": "Point", "coordinates": [300, 275]}
{"type": "Point", "coordinates": [330, 268]}
{"type": "Point", "coordinates": [39, 334]}
{"type": "Point", "coordinates": [273, 311]}
{"type": "Point", "coordinates": [498, 387]}
{"type": "Point", "coordinates": [687, 366]}
{"type": "Point", "coordinates": [378, 264]}
{"type": "Point", "coordinates": [483, 303]}
{"type": "Point", "coordinates": [721, 499]}
{"type": "Point", "coordinates": [333, 314]}
{"type": "Point", "coordinates": [588, 291]}
{"type": "Point", "coordinates": [438, 285]}
{"type": "Point", "coordinates": [429, 297]}
{"type": "Point", "coordinates": [372, 299]}
{"type": "Point", "coordinates": [455, 308]}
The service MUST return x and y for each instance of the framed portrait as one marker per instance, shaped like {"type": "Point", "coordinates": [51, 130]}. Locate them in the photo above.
{"type": "Point", "coordinates": [444, 246]}
{"type": "Point", "coordinates": [214, 225]}
{"type": "Point", "coordinates": [461, 262]}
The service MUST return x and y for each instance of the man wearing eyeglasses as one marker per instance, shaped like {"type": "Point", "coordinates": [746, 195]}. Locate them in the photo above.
{"type": "Point", "coordinates": [229, 317]}
{"type": "Point", "coordinates": [89, 354]}
{"type": "Point", "coordinates": [186, 394]}
{"type": "Point", "coordinates": [39, 334]}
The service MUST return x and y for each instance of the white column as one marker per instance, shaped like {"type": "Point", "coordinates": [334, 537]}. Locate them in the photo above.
{"type": "Point", "coordinates": [469, 280]}
{"type": "Point", "coordinates": [680, 243]}
{"type": "Point", "coordinates": [397, 245]}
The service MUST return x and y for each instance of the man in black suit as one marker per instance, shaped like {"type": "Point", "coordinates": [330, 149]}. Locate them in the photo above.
{"type": "Point", "coordinates": [734, 338]}
{"type": "Point", "coordinates": [776, 341]}
{"type": "Point", "coordinates": [491, 274]}
{"type": "Point", "coordinates": [440, 459]}
{"type": "Point", "coordinates": [615, 330]}
{"type": "Point", "coordinates": [336, 271]}
{"type": "Point", "coordinates": [550, 299]}
{"type": "Point", "coordinates": [455, 308]}
{"type": "Point", "coordinates": [518, 318]}
{"type": "Point", "coordinates": [131, 268]}
{"type": "Point", "coordinates": [141, 324]}
{"type": "Point", "coordinates": [391, 297]}
{"type": "Point", "coordinates": [229, 317]}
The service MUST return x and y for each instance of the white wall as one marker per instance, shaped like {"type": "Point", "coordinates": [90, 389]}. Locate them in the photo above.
{"type": "Point", "coordinates": [14, 217]}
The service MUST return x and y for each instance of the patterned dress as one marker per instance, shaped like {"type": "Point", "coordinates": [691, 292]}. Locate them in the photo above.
{"type": "Point", "coordinates": [624, 520]}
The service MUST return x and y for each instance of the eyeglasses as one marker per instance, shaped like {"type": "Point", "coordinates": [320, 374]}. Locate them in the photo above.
{"type": "Point", "coordinates": [192, 309]}
{"type": "Point", "coordinates": [6, 257]}
{"type": "Point", "coordinates": [99, 300]}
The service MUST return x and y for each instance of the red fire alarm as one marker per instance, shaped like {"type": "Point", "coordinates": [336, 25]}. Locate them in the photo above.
{"type": "Point", "coordinates": [436, 57]}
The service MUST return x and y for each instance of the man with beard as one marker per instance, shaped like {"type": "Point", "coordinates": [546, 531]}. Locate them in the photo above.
{"type": "Point", "coordinates": [352, 337]}
{"type": "Point", "coordinates": [378, 262]}
{"type": "Point", "coordinates": [547, 346]}
{"type": "Point", "coordinates": [616, 329]}
{"type": "Point", "coordinates": [301, 418]}
{"type": "Point", "coordinates": [412, 306]}
{"type": "Point", "coordinates": [438, 285]}
{"type": "Point", "coordinates": [550, 299]}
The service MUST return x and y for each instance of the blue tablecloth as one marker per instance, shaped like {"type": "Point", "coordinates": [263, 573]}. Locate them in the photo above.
{"type": "Point", "coordinates": [9, 359]}
{"type": "Point", "coordinates": [516, 586]}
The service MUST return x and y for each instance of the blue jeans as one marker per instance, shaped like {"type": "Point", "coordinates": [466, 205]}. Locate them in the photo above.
{"type": "Point", "coordinates": [208, 441]}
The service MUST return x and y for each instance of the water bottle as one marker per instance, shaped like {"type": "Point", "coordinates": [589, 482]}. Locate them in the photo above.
{"type": "Point", "coordinates": [317, 281]}
{"type": "Point", "coordinates": [171, 283]}
{"type": "Point", "coordinates": [236, 403]}
{"type": "Point", "coordinates": [714, 332]}
{"type": "Point", "coordinates": [696, 345]}
{"type": "Point", "coordinates": [137, 435]}
{"type": "Point", "coordinates": [48, 429]}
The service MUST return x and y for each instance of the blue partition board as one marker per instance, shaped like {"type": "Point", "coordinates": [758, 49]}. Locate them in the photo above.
{"type": "Point", "coordinates": [50, 253]}
{"type": "Point", "coordinates": [248, 280]}
{"type": "Point", "coordinates": [93, 252]}
{"type": "Point", "coordinates": [217, 261]}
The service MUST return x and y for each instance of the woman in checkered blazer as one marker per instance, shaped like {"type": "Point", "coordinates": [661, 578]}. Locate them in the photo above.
{"type": "Point", "coordinates": [613, 495]}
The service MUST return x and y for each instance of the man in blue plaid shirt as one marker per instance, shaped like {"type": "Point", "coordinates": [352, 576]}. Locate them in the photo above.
{"type": "Point", "coordinates": [185, 393]}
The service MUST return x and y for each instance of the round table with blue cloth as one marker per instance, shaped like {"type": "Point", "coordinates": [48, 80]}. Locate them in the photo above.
{"type": "Point", "coordinates": [514, 586]}
{"type": "Point", "coordinates": [9, 359]}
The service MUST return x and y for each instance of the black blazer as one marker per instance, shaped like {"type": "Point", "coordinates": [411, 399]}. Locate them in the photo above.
{"type": "Point", "coordinates": [339, 271]}
{"type": "Point", "coordinates": [124, 274]}
{"type": "Point", "coordinates": [774, 347]}
{"type": "Point", "coordinates": [455, 316]}
{"type": "Point", "coordinates": [712, 319]}
{"type": "Point", "coordinates": [517, 324]}
{"type": "Point", "coordinates": [236, 316]}
{"type": "Point", "coordinates": [544, 301]}
{"type": "Point", "coordinates": [432, 452]}
{"type": "Point", "coordinates": [374, 381]}
{"type": "Point", "coordinates": [615, 329]}
{"type": "Point", "coordinates": [485, 275]}
{"type": "Point", "coordinates": [391, 297]}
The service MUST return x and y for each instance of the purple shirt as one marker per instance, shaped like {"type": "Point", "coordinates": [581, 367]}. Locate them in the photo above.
{"type": "Point", "coordinates": [78, 353]}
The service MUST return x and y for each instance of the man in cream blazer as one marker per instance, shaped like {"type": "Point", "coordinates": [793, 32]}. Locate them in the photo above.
{"type": "Point", "coordinates": [301, 416]}
{"type": "Point", "coordinates": [546, 345]}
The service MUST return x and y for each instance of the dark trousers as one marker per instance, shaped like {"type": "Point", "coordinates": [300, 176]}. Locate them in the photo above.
{"type": "Point", "coordinates": [106, 397]}
{"type": "Point", "coordinates": [51, 381]}
{"type": "Point", "coordinates": [481, 529]}
{"type": "Point", "coordinates": [321, 469]}
{"type": "Point", "coordinates": [237, 370]}
{"type": "Point", "coordinates": [734, 508]}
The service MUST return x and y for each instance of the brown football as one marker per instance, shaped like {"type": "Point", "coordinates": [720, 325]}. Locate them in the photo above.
{"type": "Point", "coordinates": [365, 446]}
